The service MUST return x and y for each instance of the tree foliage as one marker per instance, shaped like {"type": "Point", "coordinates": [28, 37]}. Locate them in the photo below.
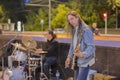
{"type": "Point", "coordinates": [3, 16]}
{"type": "Point", "coordinates": [114, 3]}
{"type": "Point", "coordinates": [90, 11]}
{"type": "Point", "coordinates": [14, 9]}
{"type": "Point", "coordinates": [34, 18]}
{"type": "Point", "coordinates": [30, 21]}
{"type": "Point", "coordinates": [59, 17]}
{"type": "Point", "coordinates": [42, 15]}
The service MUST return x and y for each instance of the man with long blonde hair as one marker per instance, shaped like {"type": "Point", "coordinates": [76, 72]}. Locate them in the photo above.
{"type": "Point", "coordinates": [81, 36]}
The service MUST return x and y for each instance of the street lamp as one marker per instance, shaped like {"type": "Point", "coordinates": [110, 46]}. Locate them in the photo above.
{"type": "Point", "coordinates": [19, 26]}
{"type": "Point", "coordinates": [9, 24]}
{"type": "Point", "coordinates": [105, 19]}
{"type": "Point", "coordinates": [49, 14]}
{"type": "Point", "coordinates": [42, 22]}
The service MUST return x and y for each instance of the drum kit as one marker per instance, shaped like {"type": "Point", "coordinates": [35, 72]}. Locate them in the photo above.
{"type": "Point", "coordinates": [29, 45]}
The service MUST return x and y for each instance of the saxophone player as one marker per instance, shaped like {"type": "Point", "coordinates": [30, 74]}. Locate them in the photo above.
{"type": "Point", "coordinates": [82, 35]}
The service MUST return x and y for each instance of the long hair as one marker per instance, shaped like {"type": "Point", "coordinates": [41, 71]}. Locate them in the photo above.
{"type": "Point", "coordinates": [75, 14]}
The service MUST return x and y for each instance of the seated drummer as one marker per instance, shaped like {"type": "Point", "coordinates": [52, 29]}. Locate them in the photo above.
{"type": "Point", "coordinates": [52, 51]}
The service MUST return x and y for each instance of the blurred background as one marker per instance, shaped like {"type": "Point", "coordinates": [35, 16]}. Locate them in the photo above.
{"type": "Point", "coordinates": [39, 15]}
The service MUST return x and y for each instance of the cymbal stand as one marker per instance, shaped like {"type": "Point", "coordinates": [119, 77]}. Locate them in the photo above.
{"type": "Point", "coordinates": [42, 75]}
{"type": "Point", "coordinates": [29, 68]}
{"type": "Point", "coordinates": [12, 56]}
{"type": "Point", "coordinates": [16, 47]}
{"type": "Point", "coordinates": [29, 76]}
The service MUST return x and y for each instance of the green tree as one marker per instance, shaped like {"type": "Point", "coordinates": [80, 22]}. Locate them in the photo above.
{"type": "Point", "coordinates": [2, 15]}
{"type": "Point", "coordinates": [59, 16]}
{"type": "Point", "coordinates": [117, 2]}
{"type": "Point", "coordinates": [114, 3]}
{"type": "Point", "coordinates": [14, 9]}
{"type": "Point", "coordinates": [114, 16]}
{"type": "Point", "coordinates": [90, 11]}
{"type": "Point", "coordinates": [41, 15]}
{"type": "Point", "coordinates": [29, 25]}
{"type": "Point", "coordinates": [34, 18]}
{"type": "Point", "coordinates": [86, 9]}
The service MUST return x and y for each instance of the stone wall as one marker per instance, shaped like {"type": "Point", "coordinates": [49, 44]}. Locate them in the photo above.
{"type": "Point", "coordinates": [107, 60]}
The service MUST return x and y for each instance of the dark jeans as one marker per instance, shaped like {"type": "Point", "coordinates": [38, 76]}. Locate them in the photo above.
{"type": "Point", "coordinates": [47, 62]}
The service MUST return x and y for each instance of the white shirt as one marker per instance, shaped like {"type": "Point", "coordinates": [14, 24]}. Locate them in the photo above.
{"type": "Point", "coordinates": [75, 38]}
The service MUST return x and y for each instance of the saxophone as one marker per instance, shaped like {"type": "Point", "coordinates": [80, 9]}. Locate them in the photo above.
{"type": "Point", "coordinates": [74, 58]}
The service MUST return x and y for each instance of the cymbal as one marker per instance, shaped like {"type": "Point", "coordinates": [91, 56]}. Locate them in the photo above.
{"type": "Point", "coordinates": [15, 44]}
{"type": "Point", "coordinates": [18, 46]}
{"type": "Point", "coordinates": [29, 43]}
{"type": "Point", "coordinates": [43, 52]}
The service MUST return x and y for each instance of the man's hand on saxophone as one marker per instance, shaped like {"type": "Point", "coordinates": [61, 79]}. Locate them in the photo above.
{"type": "Point", "coordinates": [78, 53]}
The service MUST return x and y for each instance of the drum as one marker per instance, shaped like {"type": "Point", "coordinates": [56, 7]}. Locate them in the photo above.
{"type": "Point", "coordinates": [20, 56]}
{"type": "Point", "coordinates": [34, 62]}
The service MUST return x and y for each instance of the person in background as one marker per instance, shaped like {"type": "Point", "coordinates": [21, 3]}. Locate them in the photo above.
{"type": "Point", "coordinates": [94, 29]}
{"type": "Point", "coordinates": [52, 51]}
{"type": "Point", "coordinates": [83, 37]}
{"type": "Point", "coordinates": [17, 72]}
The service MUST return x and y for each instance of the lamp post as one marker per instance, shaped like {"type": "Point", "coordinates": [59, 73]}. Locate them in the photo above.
{"type": "Point", "coordinates": [49, 14]}
{"type": "Point", "coordinates": [9, 24]}
{"type": "Point", "coordinates": [19, 26]}
{"type": "Point", "coordinates": [116, 17]}
{"type": "Point", "coordinates": [105, 19]}
{"type": "Point", "coordinates": [42, 5]}
{"type": "Point", "coordinates": [42, 22]}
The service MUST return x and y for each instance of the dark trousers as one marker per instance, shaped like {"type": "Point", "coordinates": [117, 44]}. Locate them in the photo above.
{"type": "Point", "coordinates": [48, 61]}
